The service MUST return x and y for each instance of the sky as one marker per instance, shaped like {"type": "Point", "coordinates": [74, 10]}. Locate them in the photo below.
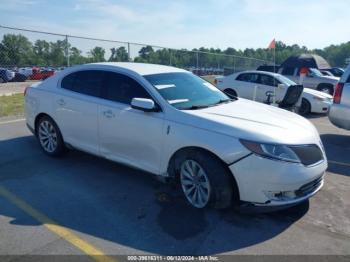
{"type": "Point", "coordinates": [187, 24]}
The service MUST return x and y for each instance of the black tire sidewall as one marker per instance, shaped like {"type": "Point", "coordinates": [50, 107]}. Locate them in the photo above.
{"type": "Point", "coordinates": [230, 91]}
{"type": "Point", "coordinates": [326, 87]}
{"type": "Point", "coordinates": [220, 180]}
{"type": "Point", "coordinates": [305, 107]}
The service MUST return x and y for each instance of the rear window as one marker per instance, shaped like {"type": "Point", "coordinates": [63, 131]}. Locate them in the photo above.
{"type": "Point", "coordinates": [87, 82]}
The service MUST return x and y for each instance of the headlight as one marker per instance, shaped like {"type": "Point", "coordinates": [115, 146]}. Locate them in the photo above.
{"type": "Point", "coordinates": [279, 152]}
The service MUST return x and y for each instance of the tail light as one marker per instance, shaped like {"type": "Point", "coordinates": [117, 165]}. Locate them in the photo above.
{"type": "Point", "coordinates": [337, 93]}
{"type": "Point", "coordinates": [25, 90]}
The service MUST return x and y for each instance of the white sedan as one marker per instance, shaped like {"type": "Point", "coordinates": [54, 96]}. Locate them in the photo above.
{"type": "Point", "coordinates": [260, 86]}
{"type": "Point", "coordinates": [171, 123]}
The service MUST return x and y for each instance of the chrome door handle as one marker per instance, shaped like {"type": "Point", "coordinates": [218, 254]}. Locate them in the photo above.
{"type": "Point", "coordinates": [108, 114]}
{"type": "Point", "coordinates": [61, 102]}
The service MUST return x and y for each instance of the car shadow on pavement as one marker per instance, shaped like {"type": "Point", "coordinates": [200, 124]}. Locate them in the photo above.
{"type": "Point", "coordinates": [338, 153]}
{"type": "Point", "coordinates": [125, 206]}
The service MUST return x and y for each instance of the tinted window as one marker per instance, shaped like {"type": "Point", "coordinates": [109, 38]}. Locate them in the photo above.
{"type": "Point", "coordinates": [268, 80]}
{"type": "Point", "coordinates": [87, 82]}
{"type": "Point", "coordinates": [122, 89]}
{"type": "Point", "coordinates": [253, 78]}
{"type": "Point", "coordinates": [288, 71]}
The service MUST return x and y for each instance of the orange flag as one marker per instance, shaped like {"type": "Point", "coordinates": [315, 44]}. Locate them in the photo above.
{"type": "Point", "coordinates": [272, 45]}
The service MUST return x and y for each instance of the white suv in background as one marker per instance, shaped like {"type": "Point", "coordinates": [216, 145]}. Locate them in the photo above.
{"type": "Point", "coordinates": [171, 123]}
{"type": "Point", "coordinates": [314, 79]}
{"type": "Point", "coordinates": [339, 113]}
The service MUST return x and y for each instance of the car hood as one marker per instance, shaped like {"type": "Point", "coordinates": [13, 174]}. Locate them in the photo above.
{"type": "Point", "coordinates": [316, 93]}
{"type": "Point", "coordinates": [250, 120]}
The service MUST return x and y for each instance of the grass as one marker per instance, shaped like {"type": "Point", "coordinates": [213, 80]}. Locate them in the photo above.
{"type": "Point", "coordinates": [12, 105]}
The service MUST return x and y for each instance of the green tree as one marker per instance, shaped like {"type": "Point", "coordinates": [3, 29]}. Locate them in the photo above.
{"type": "Point", "coordinates": [119, 55]}
{"type": "Point", "coordinates": [41, 50]}
{"type": "Point", "coordinates": [16, 50]}
{"type": "Point", "coordinates": [76, 58]}
{"type": "Point", "coordinates": [97, 54]}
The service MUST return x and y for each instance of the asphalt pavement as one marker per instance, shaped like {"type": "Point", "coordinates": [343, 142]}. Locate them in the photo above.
{"type": "Point", "coordinates": [81, 203]}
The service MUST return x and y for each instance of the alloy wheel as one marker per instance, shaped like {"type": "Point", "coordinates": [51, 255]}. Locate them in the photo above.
{"type": "Point", "coordinates": [47, 136]}
{"type": "Point", "coordinates": [195, 183]}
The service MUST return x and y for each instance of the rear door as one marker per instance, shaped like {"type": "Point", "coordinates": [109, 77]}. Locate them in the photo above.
{"type": "Point", "coordinates": [76, 109]}
{"type": "Point", "coordinates": [248, 85]}
{"type": "Point", "coordinates": [128, 135]}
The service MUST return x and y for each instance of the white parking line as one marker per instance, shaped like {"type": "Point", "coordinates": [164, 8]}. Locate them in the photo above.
{"type": "Point", "coordinates": [12, 121]}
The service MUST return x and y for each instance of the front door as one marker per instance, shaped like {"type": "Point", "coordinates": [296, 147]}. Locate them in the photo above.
{"type": "Point", "coordinates": [129, 135]}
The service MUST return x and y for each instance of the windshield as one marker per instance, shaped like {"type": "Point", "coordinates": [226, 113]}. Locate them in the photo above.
{"type": "Point", "coordinates": [186, 91]}
{"type": "Point", "coordinates": [315, 72]}
{"type": "Point", "coordinates": [285, 80]}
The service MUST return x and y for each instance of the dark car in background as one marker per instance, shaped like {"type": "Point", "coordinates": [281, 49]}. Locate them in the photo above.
{"type": "Point", "coordinates": [6, 75]}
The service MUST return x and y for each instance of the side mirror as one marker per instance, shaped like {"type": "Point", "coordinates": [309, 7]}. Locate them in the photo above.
{"type": "Point", "coordinates": [281, 86]}
{"type": "Point", "coordinates": [144, 104]}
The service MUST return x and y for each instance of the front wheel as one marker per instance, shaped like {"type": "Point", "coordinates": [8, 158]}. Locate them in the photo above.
{"type": "Point", "coordinates": [305, 107]}
{"type": "Point", "coordinates": [230, 92]}
{"type": "Point", "coordinates": [325, 88]}
{"type": "Point", "coordinates": [50, 137]}
{"type": "Point", "coordinates": [205, 181]}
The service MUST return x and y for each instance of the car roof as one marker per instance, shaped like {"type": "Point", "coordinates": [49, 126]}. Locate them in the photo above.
{"type": "Point", "coordinates": [141, 68]}
{"type": "Point", "coordinates": [259, 72]}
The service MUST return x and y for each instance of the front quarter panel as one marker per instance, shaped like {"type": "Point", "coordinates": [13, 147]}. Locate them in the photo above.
{"type": "Point", "coordinates": [179, 136]}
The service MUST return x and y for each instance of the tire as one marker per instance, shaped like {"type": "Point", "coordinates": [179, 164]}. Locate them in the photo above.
{"type": "Point", "coordinates": [50, 137]}
{"type": "Point", "coordinates": [326, 88]}
{"type": "Point", "coordinates": [305, 107]}
{"type": "Point", "coordinates": [217, 187]}
{"type": "Point", "coordinates": [230, 92]}
{"type": "Point", "coordinates": [2, 80]}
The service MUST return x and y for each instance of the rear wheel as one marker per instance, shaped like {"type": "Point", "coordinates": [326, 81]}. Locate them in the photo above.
{"type": "Point", "coordinates": [305, 107]}
{"type": "Point", "coordinates": [230, 92]}
{"type": "Point", "coordinates": [50, 137]}
{"type": "Point", "coordinates": [326, 88]}
{"type": "Point", "coordinates": [205, 181]}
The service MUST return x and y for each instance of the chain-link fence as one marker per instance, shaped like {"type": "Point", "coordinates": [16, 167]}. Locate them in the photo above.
{"type": "Point", "coordinates": [22, 50]}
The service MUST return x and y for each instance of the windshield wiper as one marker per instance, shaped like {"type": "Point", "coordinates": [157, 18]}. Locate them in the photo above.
{"type": "Point", "coordinates": [223, 101]}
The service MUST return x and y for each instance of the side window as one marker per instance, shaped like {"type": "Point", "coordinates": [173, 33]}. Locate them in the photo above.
{"type": "Point", "coordinates": [242, 77]}
{"type": "Point", "coordinates": [68, 82]}
{"type": "Point", "coordinates": [121, 88]}
{"type": "Point", "coordinates": [289, 71]}
{"type": "Point", "coordinates": [87, 82]}
{"type": "Point", "coordinates": [268, 80]}
{"type": "Point", "coordinates": [253, 78]}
